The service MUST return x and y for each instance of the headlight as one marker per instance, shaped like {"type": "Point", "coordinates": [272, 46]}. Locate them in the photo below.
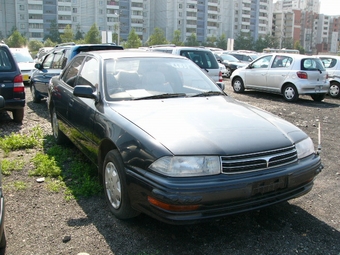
{"type": "Point", "coordinates": [185, 166]}
{"type": "Point", "coordinates": [305, 148]}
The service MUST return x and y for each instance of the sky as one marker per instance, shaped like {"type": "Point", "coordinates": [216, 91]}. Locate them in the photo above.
{"type": "Point", "coordinates": [330, 7]}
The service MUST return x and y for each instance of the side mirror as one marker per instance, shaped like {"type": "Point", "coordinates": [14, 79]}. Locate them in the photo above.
{"type": "Point", "coordinates": [85, 91]}
{"type": "Point", "coordinates": [38, 66]}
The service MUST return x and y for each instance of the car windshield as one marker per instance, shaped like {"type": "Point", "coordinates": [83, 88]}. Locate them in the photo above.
{"type": "Point", "coordinates": [229, 58]}
{"type": "Point", "coordinates": [138, 78]}
{"type": "Point", "coordinates": [22, 56]}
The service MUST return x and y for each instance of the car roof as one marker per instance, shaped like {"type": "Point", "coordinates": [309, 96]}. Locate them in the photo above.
{"type": "Point", "coordinates": [292, 55]}
{"type": "Point", "coordinates": [108, 54]}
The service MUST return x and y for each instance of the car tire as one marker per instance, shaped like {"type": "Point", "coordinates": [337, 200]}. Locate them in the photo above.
{"type": "Point", "coordinates": [334, 90]}
{"type": "Point", "coordinates": [115, 187]}
{"type": "Point", "coordinates": [35, 97]}
{"type": "Point", "coordinates": [228, 72]}
{"type": "Point", "coordinates": [18, 115]}
{"type": "Point", "coordinates": [59, 136]}
{"type": "Point", "coordinates": [318, 97]}
{"type": "Point", "coordinates": [290, 93]}
{"type": "Point", "coordinates": [238, 85]}
{"type": "Point", "coordinates": [3, 242]}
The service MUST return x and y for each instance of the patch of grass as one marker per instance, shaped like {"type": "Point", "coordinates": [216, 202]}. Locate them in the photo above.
{"type": "Point", "coordinates": [55, 185]}
{"type": "Point", "coordinates": [7, 166]}
{"type": "Point", "coordinates": [45, 166]}
{"type": "Point", "coordinates": [20, 185]}
{"type": "Point", "coordinates": [19, 141]}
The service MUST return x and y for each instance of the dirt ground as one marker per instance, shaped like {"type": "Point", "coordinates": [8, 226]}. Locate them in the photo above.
{"type": "Point", "coordinates": [41, 222]}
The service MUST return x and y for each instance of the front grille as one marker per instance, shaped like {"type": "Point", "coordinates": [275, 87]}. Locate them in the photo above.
{"type": "Point", "coordinates": [258, 161]}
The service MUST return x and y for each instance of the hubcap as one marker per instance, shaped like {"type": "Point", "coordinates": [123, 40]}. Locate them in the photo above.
{"type": "Point", "coordinates": [112, 185]}
{"type": "Point", "coordinates": [237, 85]}
{"type": "Point", "coordinates": [289, 93]}
{"type": "Point", "coordinates": [334, 90]}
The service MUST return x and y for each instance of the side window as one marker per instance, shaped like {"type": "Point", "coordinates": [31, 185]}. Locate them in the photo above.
{"type": "Point", "coordinates": [48, 61]}
{"type": "Point", "coordinates": [312, 64]}
{"type": "Point", "coordinates": [57, 60]}
{"type": "Point", "coordinates": [89, 74]}
{"type": "Point", "coordinates": [282, 61]}
{"type": "Point", "coordinates": [70, 74]}
{"type": "Point", "coordinates": [262, 62]}
{"type": "Point", "coordinates": [5, 62]}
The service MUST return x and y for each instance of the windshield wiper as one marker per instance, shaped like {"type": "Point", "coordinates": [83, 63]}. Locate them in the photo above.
{"type": "Point", "coordinates": [208, 93]}
{"type": "Point", "coordinates": [158, 96]}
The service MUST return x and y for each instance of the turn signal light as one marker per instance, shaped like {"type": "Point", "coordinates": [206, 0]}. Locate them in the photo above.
{"type": "Point", "coordinates": [170, 207]}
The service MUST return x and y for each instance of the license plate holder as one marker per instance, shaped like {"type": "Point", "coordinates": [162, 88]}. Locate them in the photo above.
{"type": "Point", "coordinates": [269, 185]}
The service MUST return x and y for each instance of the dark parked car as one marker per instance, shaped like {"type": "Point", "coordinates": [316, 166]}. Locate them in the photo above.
{"type": "Point", "coordinates": [170, 143]}
{"type": "Point", "coordinates": [53, 63]}
{"type": "Point", "coordinates": [12, 86]}
{"type": "Point", "coordinates": [231, 63]}
{"type": "Point", "coordinates": [2, 202]}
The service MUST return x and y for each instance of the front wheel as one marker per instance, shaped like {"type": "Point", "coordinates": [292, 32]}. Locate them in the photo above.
{"type": "Point", "coordinates": [290, 93]}
{"type": "Point", "coordinates": [238, 86]}
{"type": "Point", "coordinates": [318, 97]}
{"type": "Point", "coordinates": [59, 136]}
{"type": "Point", "coordinates": [334, 89]}
{"type": "Point", "coordinates": [115, 188]}
{"type": "Point", "coordinates": [36, 98]}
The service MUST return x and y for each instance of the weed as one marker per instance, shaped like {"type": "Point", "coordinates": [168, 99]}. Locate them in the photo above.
{"type": "Point", "coordinates": [19, 185]}
{"type": "Point", "coordinates": [7, 166]}
{"type": "Point", "coordinates": [45, 166]}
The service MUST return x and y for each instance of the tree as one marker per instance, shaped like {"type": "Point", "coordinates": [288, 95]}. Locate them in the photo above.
{"type": "Point", "coordinates": [133, 40]}
{"type": "Point", "coordinates": [35, 45]}
{"type": "Point", "coordinates": [244, 41]}
{"type": "Point", "coordinates": [93, 35]}
{"type": "Point", "coordinates": [67, 36]}
{"type": "Point", "coordinates": [267, 41]}
{"type": "Point", "coordinates": [157, 37]}
{"type": "Point", "coordinates": [211, 41]}
{"type": "Point", "coordinates": [177, 38]}
{"type": "Point", "coordinates": [287, 43]}
{"type": "Point", "coordinates": [192, 40]}
{"type": "Point", "coordinates": [48, 43]}
{"type": "Point", "coordinates": [16, 40]}
{"type": "Point", "coordinates": [79, 34]}
{"type": "Point", "coordinates": [222, 42]}
{"type": "Point", "coordinates": [54, 34]}
{"type": "Point", "coordinates": [299, 47]}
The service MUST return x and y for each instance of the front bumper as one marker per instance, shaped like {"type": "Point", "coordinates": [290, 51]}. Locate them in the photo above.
{"type": "Point", "coordinates": [220, 195]}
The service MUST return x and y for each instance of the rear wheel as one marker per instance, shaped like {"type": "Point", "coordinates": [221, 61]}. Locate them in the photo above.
{"type": "Point", "coordinates": [36, 98]}
{"type": "Point", "coordinates": [18, 115]}
{"type": "Point", "coordinates": [237, 84]}
{"type": "Point", "coordinates": [318, 97]}
{"type": "Point", "coordinates": [290, 93]}
{"type": "Point", "coordinates": [228, 72]}
{"type": "Point", "coordinates": [115, 187]}
{"type": "Point", "coordinates": [334, 89]}
{"type": "Point", "coordinates": [58, 135]}
{"type": "Point", "coordinates": [3, 242]}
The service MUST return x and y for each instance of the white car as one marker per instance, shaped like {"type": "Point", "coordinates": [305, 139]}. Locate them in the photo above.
{"type": "Point", "coordinates": [332, 65]}
{"type": "Point", "coordinates": [25, 62]}
{"type": "Point", "coordinates": [290, 75]}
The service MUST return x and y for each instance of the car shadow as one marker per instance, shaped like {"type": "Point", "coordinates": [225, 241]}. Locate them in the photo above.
{"type": "Point", "coordinates": [280, 229]}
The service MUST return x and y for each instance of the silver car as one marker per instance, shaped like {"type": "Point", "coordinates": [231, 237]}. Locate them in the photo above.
{"type": "Point", "coordinates": [332, 65]}
{"type": "Point", "coordinates": [290, 75]}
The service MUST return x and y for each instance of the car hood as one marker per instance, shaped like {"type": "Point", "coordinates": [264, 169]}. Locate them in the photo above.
{"type": "Point", "coordinates": [216, 125]}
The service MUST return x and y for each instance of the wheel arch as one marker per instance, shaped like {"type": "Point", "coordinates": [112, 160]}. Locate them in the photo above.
{"type": "Point", "coordinates": [285, 84]}
{"type": "Point", "coordinates": [105, 146]}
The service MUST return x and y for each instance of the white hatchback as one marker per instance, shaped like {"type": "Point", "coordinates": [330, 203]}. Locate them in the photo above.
{"type": "Point", "coordinates": [290, 75]}
{"type": "Point", "coordinates": [332, 65]}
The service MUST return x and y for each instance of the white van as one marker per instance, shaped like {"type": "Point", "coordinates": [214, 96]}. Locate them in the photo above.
{"type": "Point", "coordinates": [203, 57]}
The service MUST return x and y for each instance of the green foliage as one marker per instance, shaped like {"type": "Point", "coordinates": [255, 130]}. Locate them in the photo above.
{"type": "Point", "coordinates": [211, 41]}
{"type": "Point", "coordinates": [133, 40]}
{"type": "Point", "coordinates": [7, 166]}
{"type": "Point", "coordinates": [19, 141]}
{"type": "Point", "coordinates": [67, 36]}
{"type": "Point", "coordinates": [16, 40]}
{"type": "Point", "coordinates": [157, 37]}
{"type": "Point", "coordinates": [45, 166]}
{"type": "Point", "coordinates": [48, 43]}
{"type": "Point", "coordinates": [54, 34]}
{"type": "Point", "coordinates": [93, 35]}
{"type": "Point", "coordinates": [299, 47]}
{"type": "Point", "coordinates": [266, 41]}
{"type": "Point", "coordinates": [177, 38]}
{"type": "Point", "coordinates": [244, 41]}
{"type": "Point", "coordinates": [79, 34]}
{"type": "Point", "coordinates": [192, 40]}
{"type": "Point", "coordinates": [35, 45]}
{"type": "Point", "coordinates": [20, 185]}
{"type": "Point", "coordinates": [222, 42]}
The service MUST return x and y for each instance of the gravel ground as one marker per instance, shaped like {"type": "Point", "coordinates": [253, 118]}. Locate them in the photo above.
{"type": "Point", "coordinates": [40, 222]}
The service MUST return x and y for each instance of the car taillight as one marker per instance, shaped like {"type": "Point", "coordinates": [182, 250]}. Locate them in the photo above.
{"type": "Point", "coordinates": [18, 84]}
{"type": "Point", "coordinates": [220, 78]}
{"type": "Point", "coordinates": [302, 75]}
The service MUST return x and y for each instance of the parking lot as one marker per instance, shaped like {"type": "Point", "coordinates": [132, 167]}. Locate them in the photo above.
{"type": "Point", "coordinates": [41, 222]}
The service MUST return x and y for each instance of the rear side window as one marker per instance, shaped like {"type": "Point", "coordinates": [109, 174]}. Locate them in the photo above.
{"type": "Point", "coordinates": [6, 64]}
{"type": "Point", "coordinates": [70, 74]}
{"type": "Point", "coordinates": [311, 64]}
{"type": "Point", "coordinates": [204, 59]}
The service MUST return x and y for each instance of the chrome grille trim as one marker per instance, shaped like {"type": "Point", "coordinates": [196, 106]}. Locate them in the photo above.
{"type": "Point", "coordinates": [258, 161]}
